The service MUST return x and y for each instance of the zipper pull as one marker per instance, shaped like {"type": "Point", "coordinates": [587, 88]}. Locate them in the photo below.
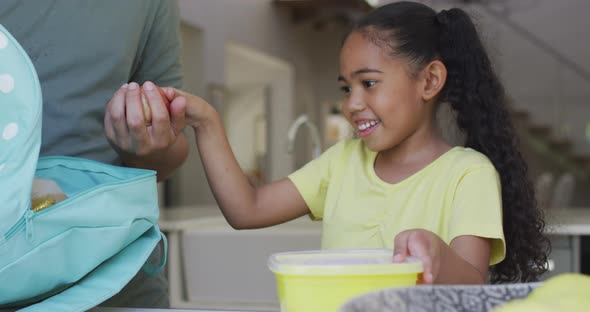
{"type": "Point", "coordinates": [29, 224]}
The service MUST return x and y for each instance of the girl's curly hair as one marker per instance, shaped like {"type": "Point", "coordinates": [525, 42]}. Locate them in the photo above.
{"type": "Point", "coordinates": [419, 34]}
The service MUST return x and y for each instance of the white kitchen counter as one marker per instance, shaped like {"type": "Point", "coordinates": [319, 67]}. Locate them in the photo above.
{"type": "Point", "coordinates": [187, 217]}
{"type": "Point", "coordinates": [568, 221]}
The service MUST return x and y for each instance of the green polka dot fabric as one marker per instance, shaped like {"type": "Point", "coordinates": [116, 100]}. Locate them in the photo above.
{"type": "Point", "coordinates": [20, 130]}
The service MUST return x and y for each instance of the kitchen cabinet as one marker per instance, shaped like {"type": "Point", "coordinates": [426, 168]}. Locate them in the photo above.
{"type": "Point", "coordinates": [565, 227]}
{"type": "Point", "coordinates": [565, 255]}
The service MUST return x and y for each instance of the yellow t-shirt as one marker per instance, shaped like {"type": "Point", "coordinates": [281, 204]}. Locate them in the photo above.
{"type": "Point", "coordinates": [457, 194]}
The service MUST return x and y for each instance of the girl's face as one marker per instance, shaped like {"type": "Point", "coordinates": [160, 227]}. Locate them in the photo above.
{"type": "Point", "coordinates": [382, 102]}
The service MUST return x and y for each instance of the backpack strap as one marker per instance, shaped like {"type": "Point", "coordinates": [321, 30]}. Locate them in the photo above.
{"type": "Point", "coordinates": [20, 131]}
{"type": "Point", "coordinates": [154, 269]}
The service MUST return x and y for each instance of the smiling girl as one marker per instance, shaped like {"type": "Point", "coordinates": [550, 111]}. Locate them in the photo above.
{"type": "Point", "coordinates": [465, 211]}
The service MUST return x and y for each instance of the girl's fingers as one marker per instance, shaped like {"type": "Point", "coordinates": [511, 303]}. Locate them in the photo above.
{"type": "Point", "coordinates": [419, 246]}
{"type": "Point", "coordinates": [400, 247]}
{"type": "Point", "coordinates": [178, 114]}
{"type": "Point", "coordinates": [169, 92]}
{"type": "Point", "coordinates": [411, 243]}
{"type": "Point", "coordinates": [178, 92]}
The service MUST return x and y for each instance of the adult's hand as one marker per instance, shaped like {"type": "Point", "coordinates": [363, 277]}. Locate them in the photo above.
{"type": "Point", "coordinates": [159, 145]}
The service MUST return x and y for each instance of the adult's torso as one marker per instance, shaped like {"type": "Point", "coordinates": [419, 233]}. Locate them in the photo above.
{"type": "Point", "coordinates": [83, 52]}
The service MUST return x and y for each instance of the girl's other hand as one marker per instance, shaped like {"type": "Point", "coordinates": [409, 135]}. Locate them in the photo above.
{"type": "Point", "coordinates": [423, 245]}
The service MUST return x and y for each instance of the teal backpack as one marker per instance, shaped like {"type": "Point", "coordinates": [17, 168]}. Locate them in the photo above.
{"type": "Point", "coordinates": [79, 252]}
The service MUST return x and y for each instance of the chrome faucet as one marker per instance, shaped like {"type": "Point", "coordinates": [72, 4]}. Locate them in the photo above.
{"type": "Point", "coordinates": [313, 131]}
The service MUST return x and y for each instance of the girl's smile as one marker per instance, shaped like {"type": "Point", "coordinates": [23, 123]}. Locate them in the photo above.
{"type": "Point", "coordinates": [366, 127]}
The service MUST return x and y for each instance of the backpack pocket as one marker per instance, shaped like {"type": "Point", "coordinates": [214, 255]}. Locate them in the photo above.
{"type": "Point", "coordinates": [106, 209]}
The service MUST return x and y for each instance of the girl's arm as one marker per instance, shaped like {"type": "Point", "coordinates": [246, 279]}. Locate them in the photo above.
{"type": "Point", "coordinates": [243, 205]}
{"type": "Point", "coordinates": [464, 261]}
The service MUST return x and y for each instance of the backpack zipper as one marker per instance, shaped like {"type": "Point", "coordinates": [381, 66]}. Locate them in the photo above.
{"type": "Point", "coordinates": [26, 222]}
{"type": "Point", "coordinates": [27, 218]}
{"type": "Point", "coordinates": [42, 203]}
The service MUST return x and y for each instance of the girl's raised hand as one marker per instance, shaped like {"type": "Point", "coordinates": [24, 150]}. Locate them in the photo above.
{"type": "Point", "coordinates": [424, 245]}
{"type": "Point", "coordinates": [198, 111]}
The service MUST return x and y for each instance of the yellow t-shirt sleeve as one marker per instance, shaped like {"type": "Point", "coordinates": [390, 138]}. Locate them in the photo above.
{"type": "Point", "coordinates": [477, 209]}
{"type": "Point", "coordinates": [312, 180]}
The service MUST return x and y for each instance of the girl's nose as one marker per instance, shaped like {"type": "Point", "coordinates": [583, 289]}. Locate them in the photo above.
{"type": "Point", "coordinates": [354, 102]}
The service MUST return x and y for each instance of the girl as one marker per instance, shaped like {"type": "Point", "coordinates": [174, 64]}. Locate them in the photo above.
{"type": "Point", "coordinates": [401, 185]}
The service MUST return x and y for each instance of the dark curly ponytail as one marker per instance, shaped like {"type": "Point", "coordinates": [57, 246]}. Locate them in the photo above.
{"type": "Point", "coordinates": [419, 34]}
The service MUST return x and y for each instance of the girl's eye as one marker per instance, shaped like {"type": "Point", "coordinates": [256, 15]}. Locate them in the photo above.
{"type": "Point", "coordinates": [369, 83]}
{"type": "Point", "coordinates": [345, 89]}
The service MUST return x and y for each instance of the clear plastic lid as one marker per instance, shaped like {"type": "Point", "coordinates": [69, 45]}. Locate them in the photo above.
{"type": "Point", "coordinates": [341, 262]}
